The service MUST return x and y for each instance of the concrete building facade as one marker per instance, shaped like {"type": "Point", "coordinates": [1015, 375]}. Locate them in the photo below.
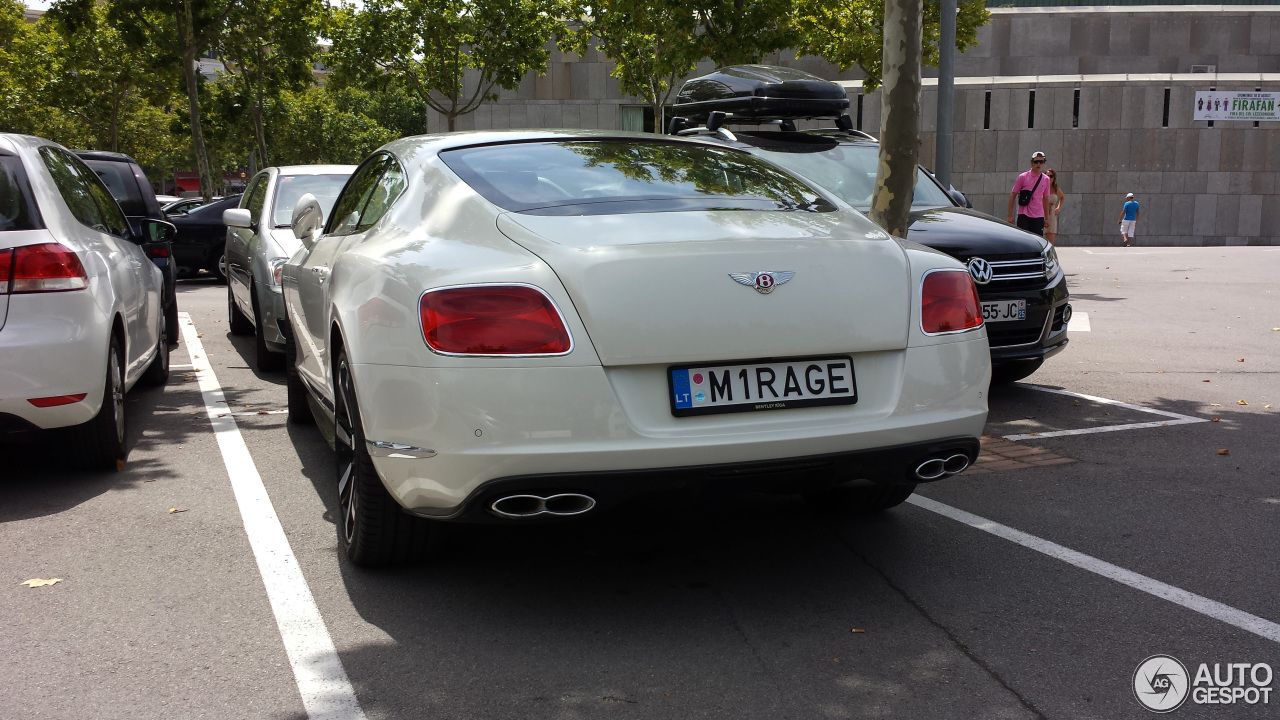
{"type": "Point", "coordinates": [1105, 92]}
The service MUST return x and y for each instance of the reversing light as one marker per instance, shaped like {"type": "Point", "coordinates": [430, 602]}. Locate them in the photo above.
{"type": "Point", "coordinates": [50, 267]}
{"type": "Point", "coordinates": [493, 320]}
{"type": "Point", "coordinates": [949, 302]}
{"type": "Point", "coordinates": [6, 268]}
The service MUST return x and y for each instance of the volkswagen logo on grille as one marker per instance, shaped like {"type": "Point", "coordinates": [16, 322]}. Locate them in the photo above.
{"type": "Point", "coordinates": [980, 270]}
{"type": "Point", "coordinates": [764, 281]}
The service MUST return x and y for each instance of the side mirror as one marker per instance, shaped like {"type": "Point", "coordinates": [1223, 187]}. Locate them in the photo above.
{"type": "Point", "coordinates": [157, 231]}
{"type": "Point", "coordinates": [308, 219]}
{"type": "Point", "coordinates": [237, 217]}
{"type": "Point", "coordinates": [959, 197]}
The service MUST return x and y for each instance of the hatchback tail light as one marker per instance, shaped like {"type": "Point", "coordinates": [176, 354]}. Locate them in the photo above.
{"type": "Point", "coordinates": [949, 302]}
{"type": "Point", "coordinates": [493, 320]}
{"type": "Point", "coordinates": [6, 268]}
{"type": "Point", "coordinates": [158, 252]}
{"type": "Point", "coordinates": [49, 267]}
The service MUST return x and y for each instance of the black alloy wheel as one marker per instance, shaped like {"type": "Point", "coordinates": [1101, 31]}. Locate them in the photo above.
{"type": "Point", "coordinates": [218, 266]}
{"type": "Point", "coordinates": [158, 371]}
{"type": "Point", "coordinates": [237, 322]}
{"type": "Point", "coordinates": [374, 530]}
{"type": "Point", "coordinates": [299, 407]}
{"type": "Point", "coordinates": [268, 360]}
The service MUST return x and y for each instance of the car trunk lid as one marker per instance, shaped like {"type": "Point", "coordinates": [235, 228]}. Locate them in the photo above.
{"type": "Point", "coordinates": [657, 287]}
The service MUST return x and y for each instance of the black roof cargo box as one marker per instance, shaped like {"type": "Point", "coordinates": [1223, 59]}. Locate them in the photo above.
{"type": "Point", "coordinates": [760, 92]}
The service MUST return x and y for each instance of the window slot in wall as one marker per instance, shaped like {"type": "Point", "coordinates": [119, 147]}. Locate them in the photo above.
{"type": "Point", "coordinates": [859, 125]}
{"type": "Point", "coordinates": [1165, 121]}
{"type": "Point", "coordinates": [986, 113]}
{"type": "Point", "coordinates": [1075, 110]}
{"type": "Point", "coordinates": [1031, 110]}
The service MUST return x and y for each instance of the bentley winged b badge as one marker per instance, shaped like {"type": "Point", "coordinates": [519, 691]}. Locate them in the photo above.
{"type": "Point", "coordinates": [764, 281]}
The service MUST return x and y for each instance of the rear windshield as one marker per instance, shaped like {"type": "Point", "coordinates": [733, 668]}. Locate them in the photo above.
{"type": "Point", "coordinates": [118, 177]}
{"type": "Point", "coordinates": [626, 176]}
{"type": "Point", "coordinates": [17, 208]}
{"type": "Point", "coordinates": [291, 188]}
{"type": "Point", "coordinates": [846, 171]}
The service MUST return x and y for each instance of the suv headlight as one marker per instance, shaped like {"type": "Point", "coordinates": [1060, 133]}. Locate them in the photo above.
{"type": "Point", "coordinates": [277, 271]}
{"type": "Point", "coordinates": [1050, 262]}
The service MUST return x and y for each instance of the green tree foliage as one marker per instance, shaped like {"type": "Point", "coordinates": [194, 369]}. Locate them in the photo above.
{"type": "Point", "coordinates": [268, 47]}
{"type": "Point", "coordinates": [318, 125]}
{"type": "Point", "coordinates": [653, 44]}
{"type": "Point", "coordinates": [744, 31]}
{"type": "Point", "coordinates": [452, 54]}
{"type": "Point", "coordinates": [851, 34]}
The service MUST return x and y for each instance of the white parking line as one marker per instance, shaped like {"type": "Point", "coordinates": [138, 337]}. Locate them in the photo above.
{"type": "Point", "coordinates": [322, 681]}
{"type": "Point", "coordinates": [1189, 600]}
{"type": "Point", "coordinates": [1079, 322]}
{"type": "Point", "coordinates": [1175, 418]}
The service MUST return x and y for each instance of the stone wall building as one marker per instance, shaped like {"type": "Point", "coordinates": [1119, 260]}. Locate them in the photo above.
{"type": "Point", "coordinates": [1105, 92]}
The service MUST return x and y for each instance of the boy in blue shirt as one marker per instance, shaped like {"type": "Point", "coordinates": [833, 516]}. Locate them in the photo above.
{"type": "Point", "coordinates": [1128, 220]}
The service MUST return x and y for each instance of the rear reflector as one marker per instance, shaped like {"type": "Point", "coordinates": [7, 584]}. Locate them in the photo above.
{"type": "Point", "coordinates": [57, 400]}
{"type": "Point", "coordinates": [949, 302]}
{"type": "Point", "coordinates": [50, 267]}
{"type": "Point", "coordinates": [493, 320]}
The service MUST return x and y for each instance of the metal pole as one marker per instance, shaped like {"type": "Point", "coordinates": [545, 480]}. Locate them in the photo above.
{"type": "Point", "coordinates": [946, 94]}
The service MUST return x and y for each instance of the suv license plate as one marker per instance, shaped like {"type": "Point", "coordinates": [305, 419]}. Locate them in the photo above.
{"type": "Point", "coordinates": [775, 385]}
{"type": "Point", "coordinates": [1004, 311]}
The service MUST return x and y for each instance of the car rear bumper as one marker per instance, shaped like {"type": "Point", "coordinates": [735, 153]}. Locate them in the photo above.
{"type": "Point", "coordinates": [481, 426]}
{"type": "Point", "coordinates": [53, 344]}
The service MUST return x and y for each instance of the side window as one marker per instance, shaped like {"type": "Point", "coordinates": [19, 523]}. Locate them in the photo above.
{"type": "Point", "coordinates": [255, 197]}
{"type": "Point", "coordinates": [73, 188]}
{"type": "Point", "coordinates": [389, 187]}
{"type": "Point", "coordinates": [354, 197]}
{"type": "Point", "coordinates": [114, 217]}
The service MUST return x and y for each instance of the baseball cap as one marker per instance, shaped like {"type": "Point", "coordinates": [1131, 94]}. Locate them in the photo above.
{"type": "Point", "coordinates": [1129, 195]}
{"type": "Point", "coordinates": [1037, 154]}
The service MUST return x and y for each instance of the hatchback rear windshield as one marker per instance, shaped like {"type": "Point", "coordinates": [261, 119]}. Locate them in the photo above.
{"type": "Point", "coordinates": [846, 171]}
{"type": "Point", "coordinates": [17, 208]}
{"type": "Point", "coordinates": [291, 188]}
{"type": "Point", "coordinates": [118, 177]}
{"type": "Point", "coordinates": [607, 177]}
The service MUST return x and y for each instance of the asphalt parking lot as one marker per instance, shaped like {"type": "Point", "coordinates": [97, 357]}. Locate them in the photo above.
{"type": "Point", "coordinates": [1104, 524]}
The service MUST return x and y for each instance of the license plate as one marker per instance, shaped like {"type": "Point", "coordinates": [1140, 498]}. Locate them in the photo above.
{"type": "Point", "coordinates": [1004, 311]}
{"type": "Point", "coordinates": [772, 385]}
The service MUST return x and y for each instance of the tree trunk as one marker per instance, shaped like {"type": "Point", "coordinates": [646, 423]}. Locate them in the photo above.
{"type": "Point", "coordinates": [259, 130]}
{"type": "Point", "coordinates": [193, 104]}
{"type": "Point", "coordinates": [900, 117]}
{"type": "Point", "coordinates": [115, 122]}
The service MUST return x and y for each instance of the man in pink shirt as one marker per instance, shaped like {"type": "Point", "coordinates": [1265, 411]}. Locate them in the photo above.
{"type": "Point", "coordinates": [1031, 195]}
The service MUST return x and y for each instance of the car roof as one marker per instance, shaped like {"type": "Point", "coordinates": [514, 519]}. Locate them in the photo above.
{"type": "Point", "coordinates": [441, 142]}
{"type": "Point", "coordinates": [104, 155]}
{"type": "Point", "coordinates": [316, 169]}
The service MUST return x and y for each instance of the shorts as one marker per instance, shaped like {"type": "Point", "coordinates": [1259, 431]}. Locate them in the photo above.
{"type": "Point", "coordinates": [1127, 227]}
{"type": "Point", "coordinates": [1031, 224]}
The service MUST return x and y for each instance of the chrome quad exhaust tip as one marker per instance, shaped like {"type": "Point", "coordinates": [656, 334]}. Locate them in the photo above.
{"type": "Point", "coordinates": [520, 507]}
{"type": "Point", "coordinates": [936, 468]}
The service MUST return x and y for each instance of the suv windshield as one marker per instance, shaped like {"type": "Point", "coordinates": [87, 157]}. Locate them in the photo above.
{"type": "Point", "coordinates": [17, 211]}
{"type": "Point", "coordinates": [291, 188]}
{"type": "Point", "coordinates": [608, 177]}
{"type": "Point", "coordinates": [118, 177]}
{"type": "Point", "coordinates": [845, 170]}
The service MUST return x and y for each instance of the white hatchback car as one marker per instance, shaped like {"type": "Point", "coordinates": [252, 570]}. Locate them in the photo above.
{"type": "Point", "coordinates": [508, 326]}
{"type": "Point", "coordinates": [80, 314]}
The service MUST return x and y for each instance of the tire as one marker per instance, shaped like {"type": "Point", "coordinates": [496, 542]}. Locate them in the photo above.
{"type": "Point", "coordinates": [100, 443]}
{"type": "Point", "coordinates": [172, 332]}
{"type": "Point", "coordinates": [268, 360]}
{"type": "Point", "coordinates": [863, 499]}
{"type": "Point", "coordinates": [218, 266]}
{"type": "Point", "coordinates": [236, 320]}
{"type": "Point", "coordinates": [373, 529]}
{"type": "Point", "coordinates": [1005, 374]}
{"type": "Point", "coordinates": [299, 407]}
{"type": "Point", "coordinates": [158, 371]}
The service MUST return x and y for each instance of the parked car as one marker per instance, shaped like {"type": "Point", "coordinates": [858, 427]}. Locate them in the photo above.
{"type": "Point", "coordinates": [182, 206]}
{"type": "Point", "coordinates": [81, 317]}
{"type": "Point", "coordinates": [513, 326]}
{"type": "Point", "coordinates": [166, 199]}
{"type": "Point", "coordinates": [1024, 294]}
{"type": "Point", "coordinates": [260, 240]}
{"type": "Point", "coordinates": [201, 240]}
{"type": "Point", "coordinates": [128, 184]}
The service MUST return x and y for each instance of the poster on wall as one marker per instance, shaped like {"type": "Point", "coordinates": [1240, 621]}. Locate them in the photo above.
{"type": "Point", "coordinates": [1230, 105]}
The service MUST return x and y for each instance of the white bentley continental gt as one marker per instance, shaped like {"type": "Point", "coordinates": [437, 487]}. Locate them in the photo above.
{"type": "Point", "coordinates": [516, 326]}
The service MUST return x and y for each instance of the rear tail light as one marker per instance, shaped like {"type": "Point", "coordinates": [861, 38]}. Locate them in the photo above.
{"type": "Point", "coordinates": [6, 268]}
{"type": "Point", "coordinates": [57, 400]}
{"type": "Point", "coordinates": [493, 320]}
{"type": "Point", "coordinates": [949, 302]}
{"type": "Point", "coordinates": [50, 267]}
{"type": "Point", "coordinates": [158, 252]}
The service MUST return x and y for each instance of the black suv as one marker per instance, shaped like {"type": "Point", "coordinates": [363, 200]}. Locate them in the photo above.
{"type": "Point", "coordinates": [124, 177]}
{"type": "Point", "coordinates": [1020, 284]}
